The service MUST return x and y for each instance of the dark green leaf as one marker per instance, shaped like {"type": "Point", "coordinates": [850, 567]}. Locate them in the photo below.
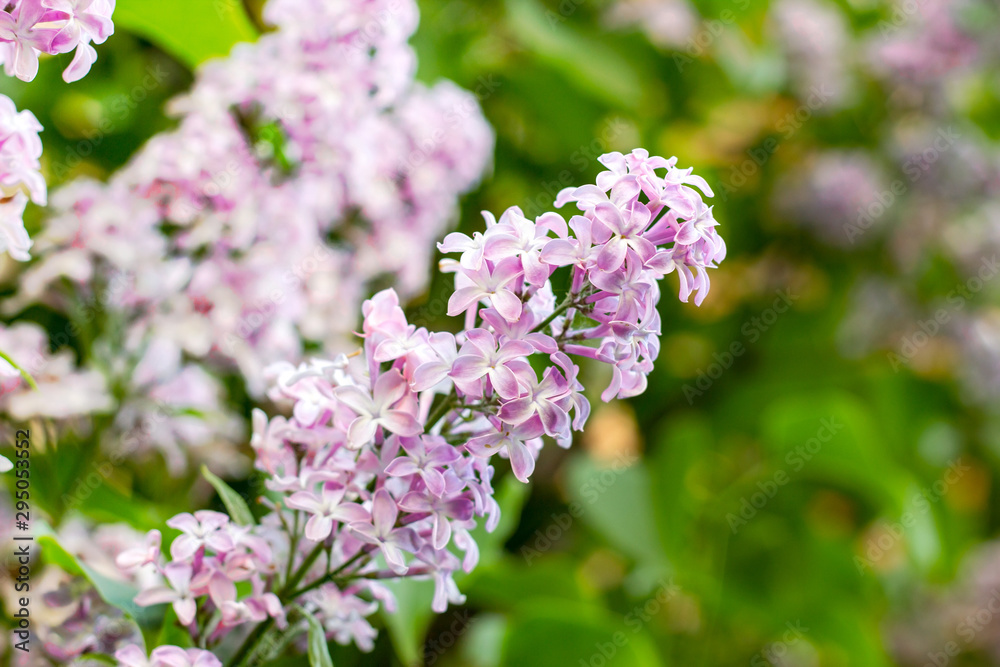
{"type": "Point", "coordinates": [319, 652]}
{"type": "Point", "coordinates": [235, 505]}
{"type": "Point", "coordinates": [191, 30]}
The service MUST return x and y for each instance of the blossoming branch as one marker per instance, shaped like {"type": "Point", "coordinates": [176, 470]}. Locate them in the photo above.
{"type": "Point", "coordinates": [384, 466]}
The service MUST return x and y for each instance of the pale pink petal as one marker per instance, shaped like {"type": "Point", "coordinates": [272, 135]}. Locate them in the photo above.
{"type": "Point", "coordinates": [507, 304]}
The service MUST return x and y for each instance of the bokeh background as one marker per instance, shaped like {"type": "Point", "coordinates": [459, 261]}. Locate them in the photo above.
{"type": "Point", "coordinates": [809, 479]}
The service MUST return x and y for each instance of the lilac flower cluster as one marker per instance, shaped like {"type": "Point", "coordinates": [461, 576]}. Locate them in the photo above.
{"type": "Point", "coordinates": [306, 167]}
{"type": "Point", "coordinates": [166, 656]}
{"type": "Point", "coordinates": [835, 194]}
{"type": "Point", "coordinates": [20, 176]}
{"type": "Point", "coordinates": [929, 187]}
{"type": "Point", "coordinates": [929, 46]}
{"type": "Point", "coordinates": [955, 621]}
{"type": "Point", "coordinates": [29, 28]}
{"type": "Point", "coordinates": [384, 463]}
{"type": "Point", "coordinates": [814, 36]}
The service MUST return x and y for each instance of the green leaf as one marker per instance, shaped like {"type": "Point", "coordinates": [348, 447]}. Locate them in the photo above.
{"type": "Point", "coordinates": [191, 30]}
{"type": "Point", "coordinates": [514, 580]}
{"type": "Point", "coordinates": [54, 554]}
{"type": "Point", "coordinates": [590, 65]}
{"type": "Point", "coordinates": [681, 447]}
{"type": "Point", "coordinates": [832, 436]}
{"type": "Point", "coordinates": [235, 505]}
{"type": "Point", "coordinates": [118, 594]}
{"type": "Point", "coordinates": [319, 652]}
{"type": "Point", "coordinates": [121, 595]}
{"type": "Point", "coordinates": [408, 625]}
{"type": "Point", "coordinates": [615, 501]}
{"type": "Point", "coordinates": [545, 633]}
{"type": "Point", "coordinates": [172, 633]}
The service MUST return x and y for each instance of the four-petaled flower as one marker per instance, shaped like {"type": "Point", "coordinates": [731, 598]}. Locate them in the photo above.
{"type": "Point", "coordinates": [426, 457]}
{"type": "Point", "coordinates": [489, 284]}
{"type": "Point", "coordinates": [481, 357]}
{"type": "Point", "coordinates": [382, 531]}
{"type": "Point", "coordinates": [25, 40]}
{"type": "Point", "coordinates": [178, 594]}
{"type": "Point", "coordinates": [326, 508]}
{"type": "Point", "coordinates": [376, 409]}
{"type": "Point", "coordinates": [203, 529]}
{"type": "Point", "coordinates": [513, 439]}
{"type": "Point", "coordinates": [541, 399]}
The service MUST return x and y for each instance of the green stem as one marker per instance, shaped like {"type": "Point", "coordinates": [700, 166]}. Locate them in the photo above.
{"type": "Point", "coordinates": [27, 376]}
{"type": "Point", "coordinates": [389, 574]}
{"type": "Point", "coordinates": [253, 14]}
{"type": "Point", "coordinates": [328, 577]}
{"type": "Point", "coordinates": [442, 409]}
{"type": "Point", "coordinates": [249, 644]}
{"type": "Point", "coordinates": [302, 571]}
{"type": "Point", "coordinates": [567, 303]}
{"type": "Point", "coordinates": [294, 545]}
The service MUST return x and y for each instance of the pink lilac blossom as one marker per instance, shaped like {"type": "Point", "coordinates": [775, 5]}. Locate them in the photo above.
{"type": "Point", "coordinates": [979, 372]}
{"type": "Point", "coordinates": [166, 656]}
{"type": "Point", "coordinates": [306, 167]}
{"type": "Point", "coordinates": [931, 45]}
{"type": "Point", "coordinates": [29, 28]}
{"type": "Point", "coordinates": [817, 45]}
{"type": "Point", "coordinates": [957, 615]}
{"type": "Point", "coordinates": [837, 195]}
{"type": "Point", "coordinates": [20, 176]}
{"type": "Point", "coordinates": [925, 55]}
{"type": "Point", "coordinates": [385, 464]}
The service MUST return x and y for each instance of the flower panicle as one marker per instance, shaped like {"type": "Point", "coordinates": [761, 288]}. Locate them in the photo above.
{"type": "Point", "coordinates": [383, 467]}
